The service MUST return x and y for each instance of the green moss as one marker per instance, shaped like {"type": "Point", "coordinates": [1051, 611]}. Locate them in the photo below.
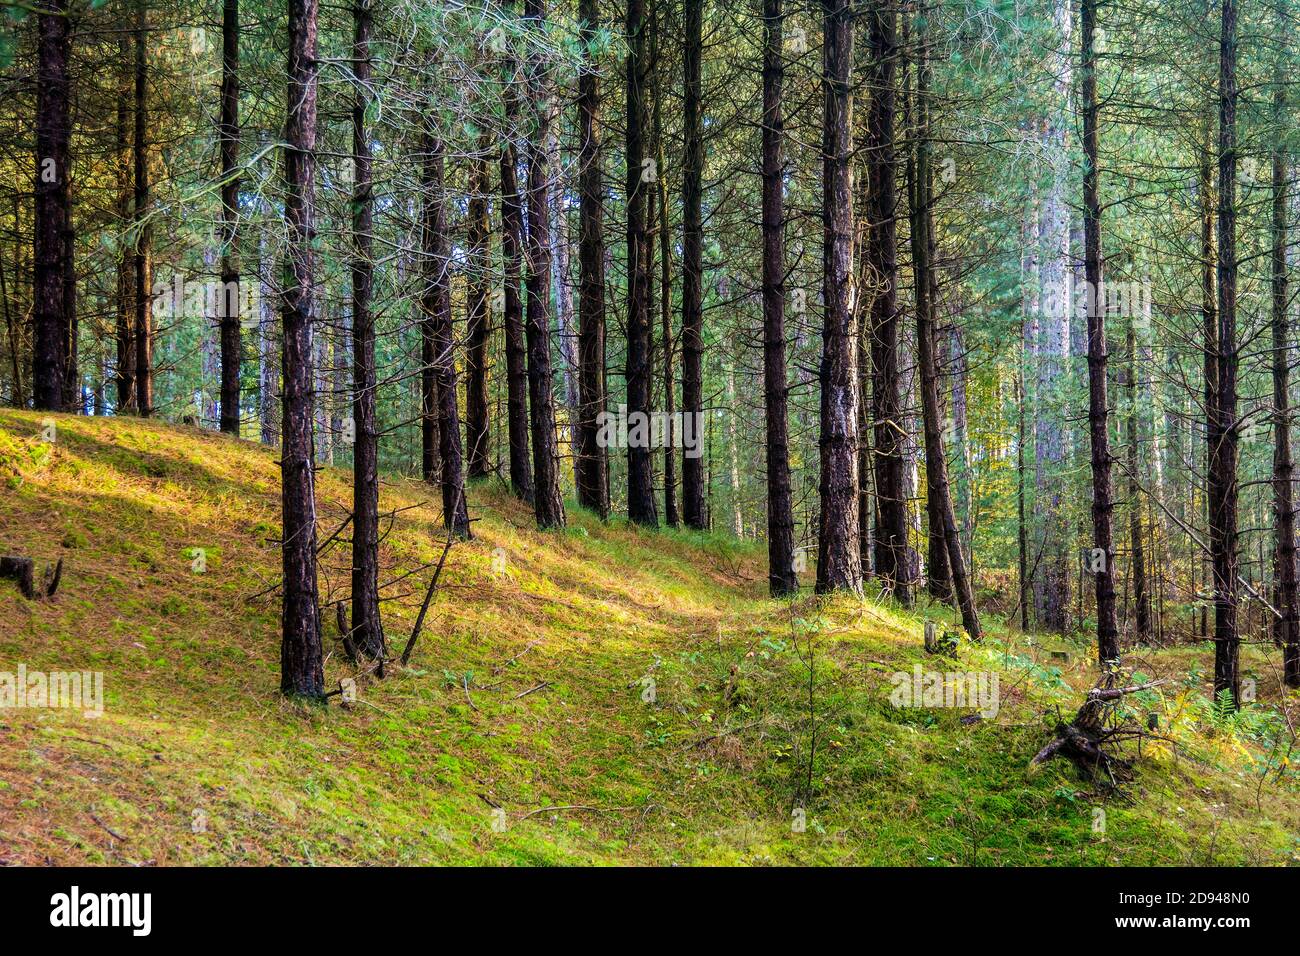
{"type": "Point", "coordinates": [709, 767]}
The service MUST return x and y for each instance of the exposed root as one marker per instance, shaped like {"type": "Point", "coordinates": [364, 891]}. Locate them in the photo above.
{"type": "Point", "coordinates": [1091, 740]}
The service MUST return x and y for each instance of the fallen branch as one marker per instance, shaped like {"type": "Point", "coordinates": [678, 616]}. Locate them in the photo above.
{"type": "Point", "coordinates": [109, 830]}
{"type": "Point", "coordinates": [577, 806]}
{"type": "Point", "coordinates": [500, 667]}
{"type": "Point", "coordinates": [428, 596]}
{"type": "Point", "coordinates": [465, 679]}
{"type": "Point", "coordinates": [530, 690]}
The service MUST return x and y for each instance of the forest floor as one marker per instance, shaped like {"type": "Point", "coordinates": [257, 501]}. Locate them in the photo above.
{"type": "Point", "coordinates": [603, 695]}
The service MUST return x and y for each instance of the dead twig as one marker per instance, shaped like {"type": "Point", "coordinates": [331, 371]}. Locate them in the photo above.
{"type": "Point", "coordinates": [530, 690]}
{"type": "Point", "coordinates": [465, 681]}
{"type": "Point", "coordinates": [500, 667]}
{"type": "Point", "coordinates": [428, 596]}
{"type": "Point", "coordinates": [578, 806]}
{"type": "Point", "coordinates": [107, 829]}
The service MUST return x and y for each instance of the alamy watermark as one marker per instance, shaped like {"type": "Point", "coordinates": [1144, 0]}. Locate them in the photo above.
{"type": "Point", "coordinates": [75, 908]}
{"type": "Point", "coordinates": [922, 688]}
{"type": "Point", "coordinates": [71, 690]}
{"type": "Point", "coordinates": [622, 429]}
{"type": "Point", "coordinates": [209, 298]}
{"type": "Point", "coordinates": [1124, 300]}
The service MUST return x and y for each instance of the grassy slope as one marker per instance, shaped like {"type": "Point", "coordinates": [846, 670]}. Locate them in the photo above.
{"type": "Point", "coordinates": [410, 774]}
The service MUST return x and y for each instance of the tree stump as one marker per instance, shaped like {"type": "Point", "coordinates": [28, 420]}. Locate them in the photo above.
{"type": "Point", "coordinates": [1095, 728]}
{"type": "Point", "coordinates": [23, 570]}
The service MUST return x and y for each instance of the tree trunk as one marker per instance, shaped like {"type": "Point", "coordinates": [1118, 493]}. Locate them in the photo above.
{"type": "Point", "coordinates": [592, 470]}
{"type": "Point", "coordinates": [143, 233]}
{"type": "Point", "coordinates": [124, 379]}
{"type": "Point", "coordinates": [512, 320]}
{"type": "Point", "coordinates": [437, 306]}
{"type": "Point", "coordinates": [672, 516]}
{"type": "Point", "coordinates": [1022, 528]}
{"type": "Point", "coordinates": [640, 463]}
{"type": "Point", "coordinates": [367, 635]}
{"type": "Point", "coordinates": [548, 503]}
{"type": "Point", "coordinates": [960, 372]}
{"type": "Point", "coordinates": [1102, 564]}
{"type": "Point", "coordinates": [228, 299]}
{"type": "Point", "coordinates": [512, 232]}
{"type": "Point", "coordinates": [269, 373]}
{"type": "Point", "coordinates": [938, 575]}
{"type": "Point", "coordinates": [693, 511]}
{"type": "Point", "coordinates": [564, 334]}
{"type": "Point", "coordinates": [430, 432]}
{"type": "Point", "coordinates": [53, 209]}
{"type": "Point", "coordinates": [733, 455]}
{"type": "Point", "coordinates": [1052, 343]}
{"type": "Point", "coordinates": [479, 317]}
{"type": "Point", "coordinates": [839, 565]}
{"type": "Point", "coordinates": [938, 492]}
{"type": "Point", "coordinates": [593, 462]}
{"type": "Point", "coordinates": [881, 260]}
{"type": "Point", "coordinates": [301, 664]}
{"type": "Point", "coordinates": [1284, 554]}
{"type": "Point", "coordinates": [781, 576]}
{"type": "Point", "coordinates": [1210, 323]}
{"type": "Point", "coordinates": [1137, 546]}
{"type": "Point", "coordinates": [1222, 478]}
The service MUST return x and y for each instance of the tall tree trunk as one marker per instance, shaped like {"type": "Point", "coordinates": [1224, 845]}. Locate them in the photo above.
{"type": "Point", "coordinates": [781, 576]}
{"type": "Point", "coordinates": [430, 426]}
{"type": "Point", "coordinates": [73, 398]}
{"type": "Point", "coordinates": [1052, 342]}
{"type": "Point", "coordinates": [512, 250]}
{"type": "Point", "coordinates": [1022, 527]}
{"type": "Point", "coordinates": [960, 372]}
{"type": "Point", "coordinates": [565, 333]}
{"type": "Point", "coordinates": [672, 516]}
{"type": "Point", "coordinates": [733, 455]}
{"type": "Point", "coordinates": [1102, 565]}
{"type": "Point", "coordinates": [269, 373]}
{"type": "Point", "coordinates": [124, 379]}
{"type": "Point", "coordinates": [1032, 314]}
{"type": "Point", "coordinates": [53, 208]}
{"type": "Point", "coordinates": [693, 512]}
{"type": "Point", "coordinates": [143, 232]}
{"type": "Point", "coordinates": [479, 318]}
{"type": "Point", "coordinates": [301, 661]}
{"type": "Point", "coordinates": [640, 462]}
{"type": "Point", "coordinates": [548, 503]}
{"type": "Point", "coordinates": [881, 259]}
{"type": "Point", "coordinates": [367, 637]}
{"type": "Point", "coordinates": [229, 298]}
{"type": "Point", "coordinates": [1137, 547]}
{"type": "Point", "coordinates": [437, 306]}
{"type": "Point", "coordinates": [938, 492]}
{"type": "Point", "coordinates": [839, 565]}
{"type": "Point", "coordinates": [1284, 553]}
{"type": "Point", "coordinates": [1209, 320]}
{"type": "Point", "coordinates": [938, 576]}
{"type": "Point", "coordinates": [593, 461]}
{"type": "Point", "coordinates": [1222, 478]}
